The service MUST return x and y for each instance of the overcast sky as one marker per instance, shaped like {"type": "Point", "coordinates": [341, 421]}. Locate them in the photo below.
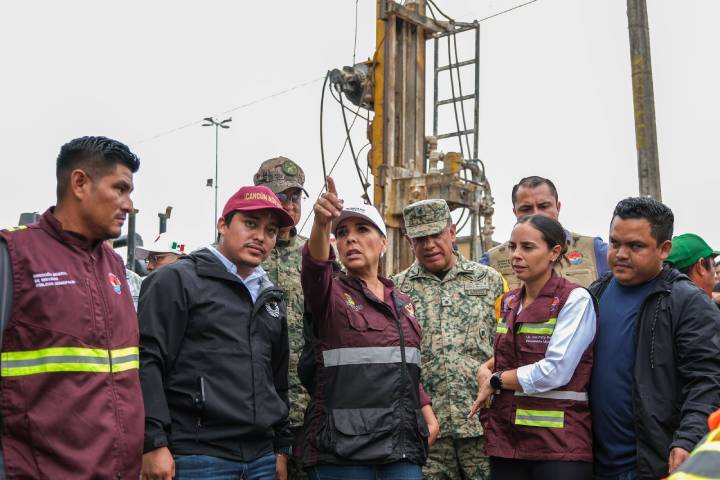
{"type": "Point", "coordinates": [555, 99]}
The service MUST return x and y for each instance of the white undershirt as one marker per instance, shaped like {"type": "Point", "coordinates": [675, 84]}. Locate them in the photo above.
{"type": "Point", "coordinates": [574, 331]}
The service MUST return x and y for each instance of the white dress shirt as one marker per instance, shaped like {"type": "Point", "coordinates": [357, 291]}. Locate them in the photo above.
{"type": "Point", "coordinates": [574, 331]}
{"type": "Point", "coordinates": [254, 282]}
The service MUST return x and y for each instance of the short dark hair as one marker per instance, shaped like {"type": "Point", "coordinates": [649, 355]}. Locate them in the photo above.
{"type": "Point", "coordinates": [553, 233]}
{"type": "Point", "coordinates": [707, 263]}
{"type": "Point", "coordinates": [228, 218]}
{"type": "Point", "coordinates": [98, 156]}
{"type": "Point", "coordinates": [534, 182]}
{"type": "Point", "coordinates": [658, 214]}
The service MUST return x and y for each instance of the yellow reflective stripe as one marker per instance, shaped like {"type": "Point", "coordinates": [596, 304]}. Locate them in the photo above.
{"type": "Point", "coordinates": [128, 359]}
{"type": "Point", "coordinates": [707, 447]}
{"type": "Point", "coordinates": [540, 418]}
{"type": "Point", "coordinates": [688, 476]}
{"type": "Point", "coordinates": [544, 328]}
{"type": "Point", "coordinates": [501, 328]}
{"type": "Point", "coordinates": [536, 330]}
{"type": "Point", "coordinates": [55, 352]}
{"type": "Point", "coordinates": [69, 359]}
{"type": "Point", "coordinates": [122, 352]}
{"type": "Point", "coordinates": [14, 229]}
{"type": "Point", "coordinates": [122, 367]}
{"type": "Point", "coordinates": [55, 367]}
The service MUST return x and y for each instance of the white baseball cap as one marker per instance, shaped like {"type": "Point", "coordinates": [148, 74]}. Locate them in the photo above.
{"type": "Point", "coordinates": [164, 243]}
{"type": "Point", "coordinates": [362, 210]}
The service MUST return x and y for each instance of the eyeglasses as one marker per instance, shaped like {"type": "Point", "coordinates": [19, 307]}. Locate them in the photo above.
{"type": "Point", "coordinates": [293, 197]}
{"type": "Point", "coordinates": [156, 257]}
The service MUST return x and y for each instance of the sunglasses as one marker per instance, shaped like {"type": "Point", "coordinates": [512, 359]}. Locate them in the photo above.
{"type": "Point", "coordinates": [156, 257]}
{"type": "Point", "coordinates": [293, 197]}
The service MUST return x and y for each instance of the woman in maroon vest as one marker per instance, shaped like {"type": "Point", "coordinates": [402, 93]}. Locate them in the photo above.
{"type": "Point", "coordinates": [538, 423]}
{"type": "Point", "coordinates": [369, 417]}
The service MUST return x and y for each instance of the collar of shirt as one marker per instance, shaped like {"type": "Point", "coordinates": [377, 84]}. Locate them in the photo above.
{"type": "Point", "coordinates": [253, 282]}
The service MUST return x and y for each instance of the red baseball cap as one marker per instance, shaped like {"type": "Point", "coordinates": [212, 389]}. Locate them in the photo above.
{"type": "Point", "coordinates": [248, 199]}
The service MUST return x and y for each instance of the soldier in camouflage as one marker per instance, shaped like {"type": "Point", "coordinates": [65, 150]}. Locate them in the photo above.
{"type": "Point", "coordinates": [456, 301]}
{"type": "Point", "coordinates": [286, 179]}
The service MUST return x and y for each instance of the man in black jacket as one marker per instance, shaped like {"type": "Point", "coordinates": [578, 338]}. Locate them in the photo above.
{"type": "Point", "coordinates": [214, 354]}
{"type": "Point", "coordinates": [656, 375]}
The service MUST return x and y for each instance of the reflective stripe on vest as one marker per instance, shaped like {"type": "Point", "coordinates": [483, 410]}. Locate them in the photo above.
{"type": "Point", "coordinates": [704, 461]}
{"type": "Point", "coordinates": [540, 418]}
{"type": "Point", "coordinates": [557, 395]}
{"type": "Point", "coordinates": [368, 355]}
{"type": "Point", "coordinates": [501, 328]}
{"type": "Point", "coordinates": [544, 328]}
{"type": "Point", "coordinates": [69, 359]}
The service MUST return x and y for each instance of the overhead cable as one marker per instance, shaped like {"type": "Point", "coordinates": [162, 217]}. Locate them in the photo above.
{"type": "Point", "coordinates": [234, 109]}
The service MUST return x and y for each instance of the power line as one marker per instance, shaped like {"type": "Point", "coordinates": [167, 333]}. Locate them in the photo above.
{"type": "Point", "coordinates": [234, 109]}
{"type": "Point", "coordinates": [506, 11]}
{"type": "Point", "coordinates": [356, 31]}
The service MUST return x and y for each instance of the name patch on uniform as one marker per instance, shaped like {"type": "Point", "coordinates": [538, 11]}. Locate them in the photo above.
{"type": "Point", "coordinates": [476, 288]}
{"type": "Point", "coordinates": [51, 279]}
{"type": "Point", "coordinates": [544, 339]}
{"type": "Point", "coordinates": [273, 309]}
{"type": "Point", "coordinates": [115, 283]}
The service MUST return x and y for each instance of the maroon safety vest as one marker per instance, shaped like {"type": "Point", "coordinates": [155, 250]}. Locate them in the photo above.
{"type": "Point", "coordinates": [71, 404]}
{"type": "Point", "coordinates": [553, 425]}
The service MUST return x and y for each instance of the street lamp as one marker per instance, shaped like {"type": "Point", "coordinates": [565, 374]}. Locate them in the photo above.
{"type": "Point", "coordinates": [210, 122]}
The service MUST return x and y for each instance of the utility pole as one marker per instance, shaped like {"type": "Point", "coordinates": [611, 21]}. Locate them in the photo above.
{"type": "Point", "coordinates": [210, 122]}
{"type": "Point", "coordinates": [643, 100]}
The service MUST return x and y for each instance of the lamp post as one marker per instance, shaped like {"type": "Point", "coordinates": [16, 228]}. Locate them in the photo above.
{"type": "Point", "coordinates": [210, 121]}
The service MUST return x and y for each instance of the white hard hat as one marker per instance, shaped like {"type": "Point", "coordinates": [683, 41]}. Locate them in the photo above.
{"type": "Point", "coordinates": [164, 243]}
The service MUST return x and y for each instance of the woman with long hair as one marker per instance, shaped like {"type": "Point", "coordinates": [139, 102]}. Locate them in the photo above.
{"type": "Point", "coordinates": [537, 426]}
{"type": "Point", "coordinates": [369, 417]}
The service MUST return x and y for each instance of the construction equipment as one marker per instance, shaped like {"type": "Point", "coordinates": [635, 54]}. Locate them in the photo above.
{"type": "Point", "coordinates": [406, 165]}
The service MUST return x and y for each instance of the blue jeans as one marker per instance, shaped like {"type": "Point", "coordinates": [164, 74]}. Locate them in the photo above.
{"type": "Point", "coordinates": [390, 471]}
{"type": "Point", "coordinates": [205, 467]}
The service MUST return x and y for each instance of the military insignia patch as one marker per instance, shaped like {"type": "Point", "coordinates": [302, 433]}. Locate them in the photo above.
{"type": "Point", "coordinates": [115, 282]}
{"type": "Point", "coordinates": [273, 309]}
{"type": "Point", "coordinates": [575, 257]}
{"type": "Point", "coordinates": [476, 288]}
{"type": "Point", "coordinates": [290, 169]}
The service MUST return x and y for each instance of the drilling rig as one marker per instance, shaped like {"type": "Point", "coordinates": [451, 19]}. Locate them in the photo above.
{"type": "Point", "coordinates": [406, 164]}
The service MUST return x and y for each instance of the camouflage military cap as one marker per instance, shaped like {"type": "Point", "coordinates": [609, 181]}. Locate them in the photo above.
{"type": "Point", "coordinates": [279, 174]}
{"type": "Point", "coordinates": [426, 217]}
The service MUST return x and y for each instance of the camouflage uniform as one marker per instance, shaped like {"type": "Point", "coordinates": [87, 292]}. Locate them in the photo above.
{"type": "Point", "coordinates": [134, 282]}
{"type": "Point", "coordinates": [458, 316]}
{"type": "Point", "coordinates": [283, 267]}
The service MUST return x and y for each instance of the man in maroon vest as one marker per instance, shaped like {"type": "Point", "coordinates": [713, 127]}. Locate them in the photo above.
{"type": "Point", "coordinates": [70, 395]}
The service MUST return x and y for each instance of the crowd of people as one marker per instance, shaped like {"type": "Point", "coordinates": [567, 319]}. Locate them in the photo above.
{"type": "Point", "coordinates": [267, 355]}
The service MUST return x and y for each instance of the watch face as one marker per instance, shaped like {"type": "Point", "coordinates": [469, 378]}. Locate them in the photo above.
{"type": "Point", "coordinates": [495, 382]}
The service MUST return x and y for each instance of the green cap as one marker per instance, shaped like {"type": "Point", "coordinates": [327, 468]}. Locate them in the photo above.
{"type": "Point", "coordinates": [279, 174]}
{"type": "Point", "coordinates": [687, 249]}
{"type": "Point", "coordinates": [426, 217]}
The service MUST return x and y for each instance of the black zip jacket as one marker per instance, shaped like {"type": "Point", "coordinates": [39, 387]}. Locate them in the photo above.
{"type": "Point", "coordinates": [677, 368]}
{"type": "Point", "coordinates": [213, 365]}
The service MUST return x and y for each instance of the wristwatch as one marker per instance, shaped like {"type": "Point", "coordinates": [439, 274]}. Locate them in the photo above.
{"type": "Point", "coordinates": [496, 381]}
